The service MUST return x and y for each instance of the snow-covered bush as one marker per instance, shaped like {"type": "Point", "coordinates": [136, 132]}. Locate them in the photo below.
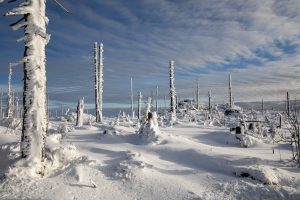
{"type": "Point", "coordinates": [261, 173]}
{"type": "Point", "coordinates": [64, 128]}
{"type": "Point", "coordinates": [149, 130]}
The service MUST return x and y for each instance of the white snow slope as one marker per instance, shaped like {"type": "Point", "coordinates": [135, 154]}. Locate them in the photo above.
{"type": "Point", "coordinates": [188, 161]}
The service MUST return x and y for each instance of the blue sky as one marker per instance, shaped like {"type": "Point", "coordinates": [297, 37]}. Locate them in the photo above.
{"type": "Point", "coordinates": [257, 41]}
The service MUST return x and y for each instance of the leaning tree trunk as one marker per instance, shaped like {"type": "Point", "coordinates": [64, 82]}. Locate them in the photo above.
{"type": "Point", "coordinates": [172, 92]}
{"type": "Point", "coordinates": [34, 95]}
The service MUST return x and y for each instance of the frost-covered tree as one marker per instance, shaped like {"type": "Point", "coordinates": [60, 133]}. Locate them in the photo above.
{"type": "Point", "coordinates": [197, 95]}
{"type": "Point", "coordinates": [172, 92]}
{"type": "Point", "coordinates": [209, 101]}
{"type": "Point", "coordinates": [35, 37]}
{"type": "Point", "coordinates": [9, 108]}
{"type": "Point", "coordinates": [288, 109]}
{"type": "Point", "coordinates": [148, 106]}
{"type": "Point", "coordinates": [230, 93]}
{"type": "Point", "coordinates": [96, 63]}
{"type": "Point", "coordinates": [80, 108]}
{"type": "Point", "coordinates": [140, 105]}
{"type": "Point", "coordinates": [156, 99]}
{"type": "Point", "coordinates": [1, 104]}
{"type": "Point", "coordinates": [262, 106]}
{"type": "Point", "coordinates": [100, 79]}
{"type": "Point", "coordinates": [131, 98]}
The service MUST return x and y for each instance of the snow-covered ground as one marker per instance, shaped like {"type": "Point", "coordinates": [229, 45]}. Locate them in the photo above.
{"type": "Point", "coordinates": [187, 161]}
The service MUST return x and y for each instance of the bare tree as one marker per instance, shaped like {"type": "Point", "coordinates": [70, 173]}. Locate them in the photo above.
{"type": "Point", "coordinates": [172, 92]}
{"type": "Point", "coordinates": [294, 138]}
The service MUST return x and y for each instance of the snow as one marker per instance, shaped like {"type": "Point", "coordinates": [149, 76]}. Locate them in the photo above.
{"type": "Point", "coordinates": [186, 161]}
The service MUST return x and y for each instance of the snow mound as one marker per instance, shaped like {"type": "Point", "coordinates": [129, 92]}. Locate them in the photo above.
{"type": "Point", "coordinates": [127, 168]}
{"type": "Point", "coordinates": [261, 173]}
{"type": "Point", "coordinates": [247, 140]}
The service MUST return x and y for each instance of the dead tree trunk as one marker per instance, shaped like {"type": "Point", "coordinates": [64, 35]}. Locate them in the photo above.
{"type": "Point", "coordinates": [288, 104]}
{"type": "Point", "coordinates": [209, 101]}
{"type": "Point", "coordinates": [80, 108]}
{"type": "Point", "coordinates": [230, 93]}
{"type": "Point", "coordinates": [156, 105]}
{"type": "Point", "coordinates": [1, 104]}
{"type": "Point", "coordinates": [172, 92]}
{"type": "Point", "coordinates": [9, 112]}
{"type": "Point", "coordinates": [140, 106]}
{"type": "Point", "coordinates": [96, 63]}
{"type": "Point", "coordinates": [100, 79]}
{"type": "Point", "coordinates": [197, 95]}
{"type": "Point", "coordinates": [131, 98]}
{"type": "Point", "coordinates": [34, 95]}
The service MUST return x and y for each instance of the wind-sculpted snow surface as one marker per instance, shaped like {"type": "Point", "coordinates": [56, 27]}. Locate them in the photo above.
{"type": "Point", "coordinates": [187, 161]}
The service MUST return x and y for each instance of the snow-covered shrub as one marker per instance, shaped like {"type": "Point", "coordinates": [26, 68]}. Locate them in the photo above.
{"type": "Point", "coordinates": [247, 140]}
{"type": "Point", "coordinates": [64, 128]}
{"type": "Point", "coordinates": [149, 130]}
{"type": "Point", "coordinates": [261, 173]}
